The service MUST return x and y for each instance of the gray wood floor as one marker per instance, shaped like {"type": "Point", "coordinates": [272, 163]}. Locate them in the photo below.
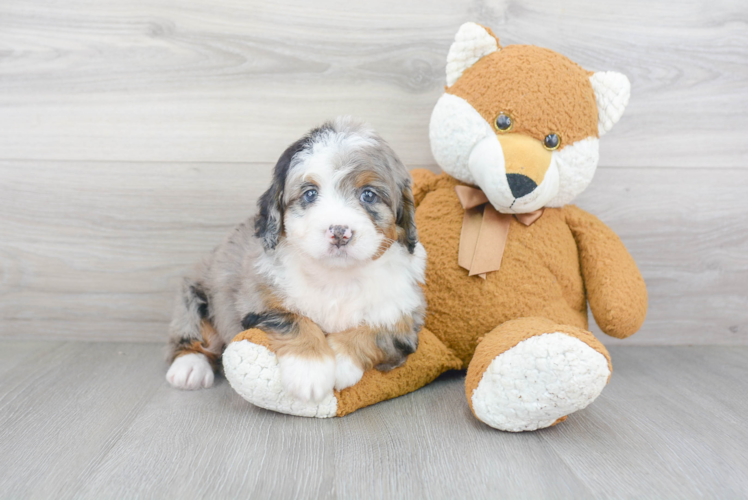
{"type": "Point", "coordinates": [97, 420]}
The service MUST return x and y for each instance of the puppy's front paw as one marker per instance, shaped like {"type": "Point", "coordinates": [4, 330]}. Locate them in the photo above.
{"type": "Point", "coordinates": [307, 379]}
{"type": "Point", "coordinates": [347, 372]}
{"type": "Point", "coordinates": [191, 371]}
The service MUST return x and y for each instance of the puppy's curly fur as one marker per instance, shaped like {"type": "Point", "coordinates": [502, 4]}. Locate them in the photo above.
{"type": "Point", "coordinates": [329, 267]}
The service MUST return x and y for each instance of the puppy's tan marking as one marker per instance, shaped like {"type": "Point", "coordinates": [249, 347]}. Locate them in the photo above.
{"type": "Point", "coordinates": [291, 333]}
{"type": "Point", "coordinates": [311, 179]}
{"type": "Point", "coordinates": [359, 344]}
{"type": "Point", "coordinates": [211, 345]}
{"type": "Point", "coordinates": [306, 341]}
{"type": "Point", "coordinates": [270, 298]}
{"type": "Point", "coordinates": [367, 178]}
{"type": "Point", "coordinates": [390, 234]}
{"type": "Point", "coordinates": [379, 348]}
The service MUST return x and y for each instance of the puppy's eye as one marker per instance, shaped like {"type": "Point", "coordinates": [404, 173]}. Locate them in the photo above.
{"type": "Point", "coordinates": [310, 196]}
{"type": "Point", "coordinates": [551, 142]}
{"type": "Point", "coordinates": [368, 196]}
{"type": "Point", "coordinates": [503, 123]}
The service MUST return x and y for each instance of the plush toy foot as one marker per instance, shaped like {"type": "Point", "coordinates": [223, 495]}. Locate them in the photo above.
{"type": "Point", "coordinates": [252, 370]}
{"type": "Point", "coordinates": [531, 373]}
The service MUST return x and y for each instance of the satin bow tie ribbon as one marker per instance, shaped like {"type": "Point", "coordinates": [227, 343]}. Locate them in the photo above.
{"type": "Point", "coordinates": [484, 232]}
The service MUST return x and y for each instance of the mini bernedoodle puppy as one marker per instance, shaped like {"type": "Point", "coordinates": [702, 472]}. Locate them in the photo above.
{"type": "Point", "coordinates": [330, 268]}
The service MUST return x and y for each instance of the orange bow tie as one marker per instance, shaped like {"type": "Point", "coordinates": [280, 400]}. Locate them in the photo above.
{"type": "Point", "coordinates": [484, 232]}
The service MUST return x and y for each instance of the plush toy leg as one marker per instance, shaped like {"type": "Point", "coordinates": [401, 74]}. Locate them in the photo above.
{"type": "Point", "coordinates": [252, 370]}
{"type": "Point", "coordinates": [531, 373]}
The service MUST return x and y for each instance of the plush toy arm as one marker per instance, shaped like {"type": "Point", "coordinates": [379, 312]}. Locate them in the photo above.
{"type": "Point", "coordinates": [252, 369]}
{"type": "Point", "coordinates": [615, 287]}
{"type": "Point", "coordinates": [423, 182]}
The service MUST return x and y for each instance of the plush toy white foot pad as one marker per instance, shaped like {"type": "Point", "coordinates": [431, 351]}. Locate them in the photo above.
{"type": "Point", "coordinates": [538, 381]}
{"type": "Point", "coordinates": [253, 372]}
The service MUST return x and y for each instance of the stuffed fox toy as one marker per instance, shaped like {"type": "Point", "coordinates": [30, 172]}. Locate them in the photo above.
{"type": "Point", "coordinates": [511, 265]}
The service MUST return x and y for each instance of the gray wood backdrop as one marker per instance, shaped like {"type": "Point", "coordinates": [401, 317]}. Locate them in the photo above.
{"type": "Point", "coordinates": [135, 133]}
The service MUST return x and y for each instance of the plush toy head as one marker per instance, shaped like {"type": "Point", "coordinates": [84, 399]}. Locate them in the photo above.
{"type": "Point", "coordinates": [522, 122]}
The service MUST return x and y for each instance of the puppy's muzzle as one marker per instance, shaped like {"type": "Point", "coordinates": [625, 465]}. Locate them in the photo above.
{"type": "Point", "coordinates": [339, 235]}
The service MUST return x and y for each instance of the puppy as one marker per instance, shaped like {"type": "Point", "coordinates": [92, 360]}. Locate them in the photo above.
{"type": "Point", "coordinates": [330, 268]}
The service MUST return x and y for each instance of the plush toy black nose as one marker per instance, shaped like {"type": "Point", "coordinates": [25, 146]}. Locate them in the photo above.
{"type": "Point", "coordinates": [520, 184]}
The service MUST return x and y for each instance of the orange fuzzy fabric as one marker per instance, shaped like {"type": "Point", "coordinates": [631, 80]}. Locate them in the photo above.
{"type": "Point", "coordinates": [542, 91]}
{"type": "Point", "coordinates": [430, 360]}
{"type": "Point", "coordinates": [545, 271]}
{"type": "Point", "coordinates": [615, 288]}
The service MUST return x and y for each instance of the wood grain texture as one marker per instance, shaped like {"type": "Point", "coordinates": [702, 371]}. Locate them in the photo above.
{"type": "Point", "coordinates": [15, 353]}
{"type": "Point", "coordinates": [63, 410]}
{"type": "Point", "coordinates": [682, 405]}
{"type": "Point", "coordinates": [95, 250]}
{"type": "Point", "coordinates": [88, 420]}
{"type": "Point", "coordinates": [688, 232]}
{"type": "Point", "coordinates": [235, 80]}
{"type": "Point", "coordinates": [438, 433]}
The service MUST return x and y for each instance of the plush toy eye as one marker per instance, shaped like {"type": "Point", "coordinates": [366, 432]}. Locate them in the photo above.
{"type": "Point", "coordinates": [310, 196]}
{"type": "Point", "coordinates": [503, 122]}
{"type": "Point", "coordinates": [368, 196]}
{"type": "Point", "coordinates": [551, 142]}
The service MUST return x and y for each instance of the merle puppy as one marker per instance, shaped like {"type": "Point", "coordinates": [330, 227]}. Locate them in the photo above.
{"type": "Point", "coordinates": [330, 268]}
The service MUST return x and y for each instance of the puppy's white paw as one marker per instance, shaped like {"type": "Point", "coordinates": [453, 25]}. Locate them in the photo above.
{"type": "Point", "coordinates": [191, 371]}
{"type": "Point", "coordinates": [307, 379]}
{"type": "Point", "coordinates": [347, 373]}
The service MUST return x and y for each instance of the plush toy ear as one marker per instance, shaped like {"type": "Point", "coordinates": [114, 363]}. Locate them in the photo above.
{"type": "Point", "coordinates": [472, 42]}
{"type": "Point", "coordinates": [612, 92]}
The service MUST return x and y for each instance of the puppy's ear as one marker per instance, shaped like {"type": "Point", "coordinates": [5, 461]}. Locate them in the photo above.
{"type": "Point", "coordinates": [406, 219]}
{"type": "Point", "coordinates": [269, 220]}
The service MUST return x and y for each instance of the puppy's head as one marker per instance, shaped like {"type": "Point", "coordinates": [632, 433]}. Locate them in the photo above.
{"type": "Point", "coordinates": [339, 195]}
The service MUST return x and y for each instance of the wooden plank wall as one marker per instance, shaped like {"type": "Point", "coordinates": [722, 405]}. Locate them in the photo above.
{"type": "Point", "coordinates": [135, 133]}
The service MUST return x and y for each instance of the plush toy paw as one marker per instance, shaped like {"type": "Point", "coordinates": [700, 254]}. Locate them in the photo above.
{"type": "Point", "coordinates": [255, 373]}
{"type": "Point", "coordinates": [538, 382]}
{"type": "Point", "coordinates": [191, 371]}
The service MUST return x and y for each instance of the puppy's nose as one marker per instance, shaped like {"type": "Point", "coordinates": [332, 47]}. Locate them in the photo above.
{"type": "Point", "coordinates": [339, 235]}
{"type": "Point", "coordinates": [520, 185]}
